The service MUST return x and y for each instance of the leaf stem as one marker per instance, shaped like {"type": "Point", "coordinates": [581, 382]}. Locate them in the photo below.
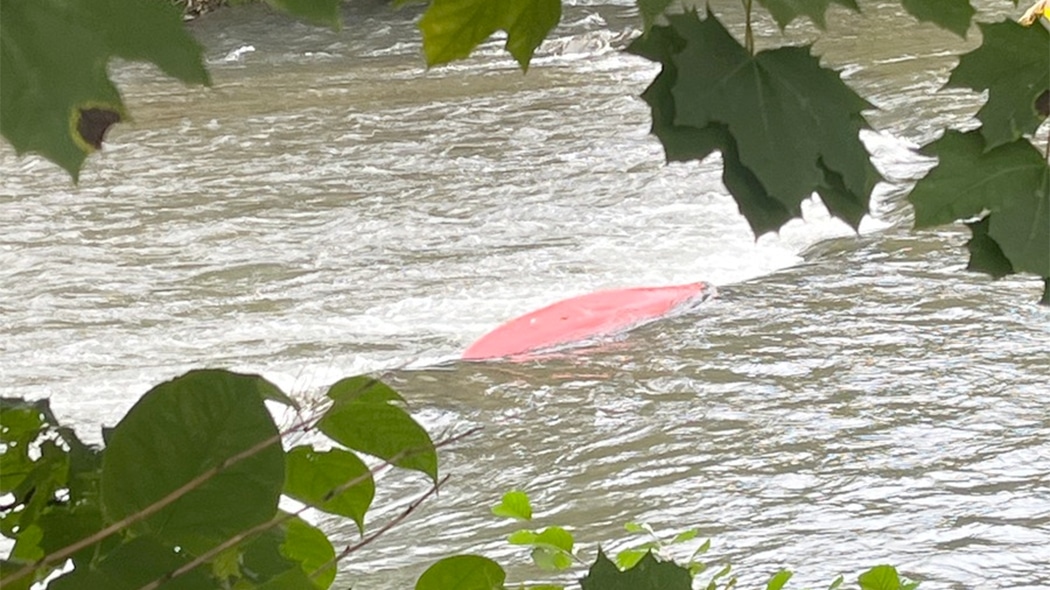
{"type": "Point", "coordinates": [749, 34]}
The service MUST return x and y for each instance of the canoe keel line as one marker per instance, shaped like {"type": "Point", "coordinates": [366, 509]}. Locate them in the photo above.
{"type": "Point", "coordinates": [585, 317]}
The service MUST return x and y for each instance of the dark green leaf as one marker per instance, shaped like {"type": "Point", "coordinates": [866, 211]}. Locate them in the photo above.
{"type": "Point", "coordinates": [880, 577]}
{"type": "Point", "coordinates": [1022, 228]}
{"type": "Point", "coordinates": [185, 428]}
{"type": "Point", "coordinates": [453, 28]}
{"type": "Point", "coordinates": [791, 118]}
{"type": "Point", "coordinates": [778, 580]}
{"type": "Point", "coordinates": [132, 565]}
{"type": "Point", "coordinates": [968, 179]}
{"type": "Point", "coordinates": [681, 142]}
{"type": "Point", "coordinates": [985, 255]}
{"type": "Point", "coordinates": [322, 12]}
{"type": "Point", "coordinates": [317, 478]}
{"type": "Point", "coordinates": [55, 96]}
{"type": "Point", "coordinates": [840, 201]}
{"type": "Point", "coordinates": [785, 11]}
{"type": "Point", "coordinates": [515, 504]}
{"type": "Point", "coordinates": [647, 574]}
{"type": "Point", "coordinates": [381, 430]}
{"type": "Point", "coordinates": [953, 15]}
{"type": "Point", "coordinates": [1013, 65]}
{"type": "Point", "coordinates": [10, 566]}
{"type": "Point", "coordinates": [463, 572]}
{"type": "Point", "coordinates": [362, 389]}
{"type": "Point", "coordinates": [287, 555]}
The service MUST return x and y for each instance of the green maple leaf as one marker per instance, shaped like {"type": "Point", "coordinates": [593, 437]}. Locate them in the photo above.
{"type": "Point", "coordinates": [785, 11]}
{"type": "Point", "coordinates": [682, 142]}
{"type": "Point", "coordinates": [795, 124]}
{"type": "Point", "coordinates": [453, 28]}
{"type": "Point", "coordinates": [1011, 181]}
{"type": "Point", "coordinates": [969, 180]}
{"type": "Point", "coordinates": [56, 98]}
{"type": "Point", "coordinates": [952, 15]}
{"type": "Point", "coordinates": [1012, 64]}
{"type": "Point", "coordinates": [647, 574]}
{"type": "Point", "coordinates": [985, 254]}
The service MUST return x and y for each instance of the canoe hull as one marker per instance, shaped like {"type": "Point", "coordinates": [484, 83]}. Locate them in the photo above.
{"type": "Point", "coordinates": [584, 317]}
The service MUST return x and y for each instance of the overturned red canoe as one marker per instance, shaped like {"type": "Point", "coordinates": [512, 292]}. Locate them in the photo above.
{"type": "Point", "coordinates": [583, 317]}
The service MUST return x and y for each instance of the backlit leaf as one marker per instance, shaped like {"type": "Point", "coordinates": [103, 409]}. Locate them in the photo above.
{"type": "Point", "coordinates": [362, 388]}
{"type": "Point", "coordinates": [647, 574]}
{"type": "Point", "coordinates": [778, 580]}
{"type": "Point", "coordinates": [453, 28]}
{"type": "Point", "coordinates": [515, 504]}
{"type": "Point", "coordinates": [880, 577]}
{"type": "Point", "coordinates": [463, 572]}
{"type": "Point", "coordinates": [1013, 65]}
{"type": "Point", "coordinates": [952, 15]}
{"type": "Point", "coordinates": [182, 429]}
{"type": "Point", "coordinates": [549, 559]}
{"type": "Point", "coordinates": [286, 556]}
{"type": "Point", "coordinates": [785, 11]}
{"type": "Point", "coordinates": [317, 478]}
{"type": "Point", "coordinates": [56, 98]}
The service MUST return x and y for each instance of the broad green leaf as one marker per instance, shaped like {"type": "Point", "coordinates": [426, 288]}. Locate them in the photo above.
{"type": "Point", "coordinates": [785, 11]}
{"type": "Point", "coordinates": [132, 565]}
{"type": "Point", "coordinates": [453, 28]}
{"type": "Point", "coordinates": [778, 580]}
{"type": "Point", "coordinates": [953, 15]}
{"type": "Point", "coordinates": [286, 555]}
{"type": "Point", "coordinates": [182, 429]}
{"type": "Point", "coordinates": [556, 537]}
{"type": "Point", "coordinates": [791, 118]}
{"type": "Point", "coordinates": [362, 388]}
{"type": "Point", "coordinates": [515, 504]}
{"type": "Point", "coordinates": [763, 212]}
{"type": "Point", "coordinates": [317, 478]}
{"type": "Point", "coordinates": [463, 572]}
{"type": "Point", "coordinates": [1011, 181]}
{"type": "Point", "coordinates": [650, 10]}
{"type": "Point", "coordinates": [71, 523]}
{"type": "Point", "coordinates": [549, 559]}
{"type": "Point", "coordinates": [647, 574]}
{"type": "Point", "coordinates": [322, 12]}
{"type": "Point", "coordinates": [10, 566]}
{"type": "Point", "coordinates": [309, 547]}
{"type": "Point", "coordinates": [880, 577]}
{"type": "Point", "coordinates": [1013, 65]}
{"type": "Point", "coordinates": [20, 421]}
{"type": "Point", "coordinates": [1022, 228]}
{"type": "Point", "coordinates": [985, 254]}
{"type": "Point", "coordinates": [56, 98]}
{"type": "Point", "coordinates": [382, 430]}
{"type": "Point", "coordinates": [968, 179]}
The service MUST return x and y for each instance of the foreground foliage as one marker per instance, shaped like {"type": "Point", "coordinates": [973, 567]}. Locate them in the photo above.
{"type": "Point", "coordinates": [185, 493]}
{"type": "Point", "coordinates": [648, 565]}
{"type": "Point", "coordinates": [786, 126]}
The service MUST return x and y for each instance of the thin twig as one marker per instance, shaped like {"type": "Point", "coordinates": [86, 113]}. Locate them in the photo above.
{"type": "Point", "coordinates": [749, 34]}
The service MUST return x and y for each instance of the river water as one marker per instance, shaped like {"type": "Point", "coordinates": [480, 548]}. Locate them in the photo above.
{"type": "Point", "coordinates": [331, 207]}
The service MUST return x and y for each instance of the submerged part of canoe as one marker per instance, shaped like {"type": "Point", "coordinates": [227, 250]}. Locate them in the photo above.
{"type": "Point", "coordinates": [585, 317]}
